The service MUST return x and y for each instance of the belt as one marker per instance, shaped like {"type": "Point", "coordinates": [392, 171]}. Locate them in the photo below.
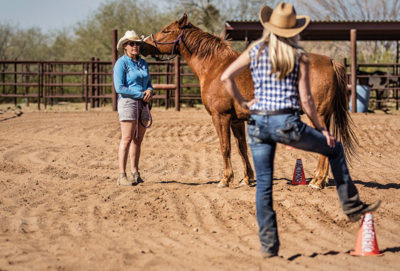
{"type": "Point", "coordinates": [276, 112]}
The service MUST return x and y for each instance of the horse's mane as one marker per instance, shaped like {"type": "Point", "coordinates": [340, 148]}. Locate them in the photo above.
{"type": "Point", "coordinates": [205, 45]}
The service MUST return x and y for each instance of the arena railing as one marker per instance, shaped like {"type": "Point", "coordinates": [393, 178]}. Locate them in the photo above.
{"type": "Point", "coordinates": [46, 82]}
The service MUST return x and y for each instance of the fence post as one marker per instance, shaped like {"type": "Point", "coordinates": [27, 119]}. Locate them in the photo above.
{"type": "Point", "coordinates": [353, 38]}
{"type": "Point", "coordinates": [62, 78]}
{"type": "Point", "coordinates": [38, 87]}
{"type": "Point", "coordinates": [96, 80]}
{"type": "Point", "coordinates": [114, 57]}
{"type": "Point", "coordinates": [53, 80]}
{"type": "Point", "coordinates": [3, 77]}
{"type": "Point", "coordinates": [83, 80]}
{"type": "Point", "coordinates": [45, 79]}
{"type": "Point", "coordinates": [397, 73]}
{"type": "Point", "coordinates": [27, 79]}
{"type": "Point", "coordinates": [15, 83]}
{"type": "Point", "coordinates": [101, 88]}
{"type": "Point", "coordinates": [87, 69]}
{"type": "Point", "coordinates": [158, 70]}
{"type": "Point", "coordinates": [167, 67]}
{"type": "Point", "coordinates": [178, 83]}
{"type": "Point", "coordinates": [91, 92]}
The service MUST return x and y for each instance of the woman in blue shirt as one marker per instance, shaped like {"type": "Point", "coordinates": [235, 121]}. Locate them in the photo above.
{"type": "Point", "coordinates": [132, 83]}
{"type": "Point", "coordinates": [280, 72]}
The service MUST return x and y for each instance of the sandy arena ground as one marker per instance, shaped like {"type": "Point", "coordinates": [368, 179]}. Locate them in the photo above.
{"type": "Point", "coordinates": [60, 207]}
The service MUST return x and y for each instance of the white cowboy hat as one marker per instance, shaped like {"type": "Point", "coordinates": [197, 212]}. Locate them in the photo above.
{"type": "Point", "coordinates": [130, 35]}
{"type": "Point", "coordinates": [283, 21]}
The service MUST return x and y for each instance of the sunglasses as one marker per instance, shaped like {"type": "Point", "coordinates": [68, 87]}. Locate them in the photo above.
{"type": "Point", "coordinates": [133, 43]}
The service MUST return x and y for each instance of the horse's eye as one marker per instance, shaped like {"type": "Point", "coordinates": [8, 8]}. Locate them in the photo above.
{"type": "Point", "coordinates": [165, 31]}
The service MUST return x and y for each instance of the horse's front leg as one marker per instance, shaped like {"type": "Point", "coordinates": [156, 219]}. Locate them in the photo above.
{"type": "Point", "coordinates": [222, 125]}
{"type": "Point", "coordinates": [238, 128]}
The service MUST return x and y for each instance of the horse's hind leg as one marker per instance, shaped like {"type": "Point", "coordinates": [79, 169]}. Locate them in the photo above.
{"type": "Point", "coordinates": [320, 177]}
{"type": "Point", "coordinates": [222, 125]}
{"type": "Point", "coordinates": [238, 128]}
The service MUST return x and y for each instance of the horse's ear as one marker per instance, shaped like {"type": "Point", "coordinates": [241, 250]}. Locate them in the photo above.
{"type": "Point", "coordinates": [183, 21]}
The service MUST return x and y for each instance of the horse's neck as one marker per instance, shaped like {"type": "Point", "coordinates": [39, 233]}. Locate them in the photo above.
{"type": "Point", "coordinates": [202, 66]}
{"type": "Point", "coordinates": [193, 62]}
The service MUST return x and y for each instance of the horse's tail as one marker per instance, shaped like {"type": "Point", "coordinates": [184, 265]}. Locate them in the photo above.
{"type": "Point", "coordinates": [341, 124]}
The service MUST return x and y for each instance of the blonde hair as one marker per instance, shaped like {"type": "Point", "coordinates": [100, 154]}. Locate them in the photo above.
{"type": "Point", "coordinates": [283, 52]}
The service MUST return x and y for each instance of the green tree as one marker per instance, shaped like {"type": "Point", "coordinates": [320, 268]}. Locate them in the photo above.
{"type": "Point", "coordinates": [22, 44]}
{"type": "Point", "coordinates": [61, 45]}
{"type": "Point", "coordinates": [30, 44]}
{"type": "Point", "coordinates": [246, 9]}
{"type": "Point", "coordinates": [93, 36]}
{"type": "Point", "coordinates": [6, 33]}
{"type": "Point", "coordinates": [203, 13]}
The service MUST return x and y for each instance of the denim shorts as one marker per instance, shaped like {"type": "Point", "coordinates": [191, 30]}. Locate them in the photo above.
{"type": "Point", "coordinates": [127, 110]}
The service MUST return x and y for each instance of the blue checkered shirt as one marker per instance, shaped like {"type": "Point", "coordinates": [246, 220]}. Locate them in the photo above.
{"type": "Point", "coordinates": [272, 94]}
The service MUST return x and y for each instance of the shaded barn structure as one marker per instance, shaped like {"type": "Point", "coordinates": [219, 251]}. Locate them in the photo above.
{"type": "Point", "coordinates": [352, 31]}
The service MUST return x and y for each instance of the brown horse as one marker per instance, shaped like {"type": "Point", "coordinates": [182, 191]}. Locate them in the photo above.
{"type": "Point", "coordinates": [208, 56]}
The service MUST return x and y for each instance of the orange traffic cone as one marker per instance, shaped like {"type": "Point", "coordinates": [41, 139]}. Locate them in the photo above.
{"type": "Point", "coordinates": [298, 175]}
{"type": "Point", "coordinates": [366, 244]}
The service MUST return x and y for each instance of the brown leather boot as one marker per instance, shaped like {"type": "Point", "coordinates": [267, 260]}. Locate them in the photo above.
{"type": "Point", "coordinates": [366, 208]}
{"type": "Point", "coordinates": [123, 180]}
{"type": "Point", "coordinates": [136, 179]}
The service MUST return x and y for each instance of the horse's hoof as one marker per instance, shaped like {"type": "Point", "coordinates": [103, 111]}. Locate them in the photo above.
{"type": "Point", "coordinates": [250, 183]}
{"type": "Point", "coordinates": [315, 186]}
{"type": "Point", "coordinates": [222, 184]}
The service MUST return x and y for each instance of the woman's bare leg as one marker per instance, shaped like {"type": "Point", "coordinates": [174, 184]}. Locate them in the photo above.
{"type": "Point", "coordinates": [126, 138]}
{"type": "Point", "coordinates": [135, 148]}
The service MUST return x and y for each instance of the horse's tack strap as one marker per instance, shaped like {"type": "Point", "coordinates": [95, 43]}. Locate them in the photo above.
{"type": "Point", "coordinates": [175, 43]}
{"type": "Point", "coordinates": [139, 117]}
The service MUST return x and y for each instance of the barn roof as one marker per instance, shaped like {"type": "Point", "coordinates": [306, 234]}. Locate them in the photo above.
{"type": "Point", "coordinates": [322, 30]}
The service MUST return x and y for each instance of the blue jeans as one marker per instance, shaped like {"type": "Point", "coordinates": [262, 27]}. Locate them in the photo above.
{"type": "Point", "coordinates": [263, 134]}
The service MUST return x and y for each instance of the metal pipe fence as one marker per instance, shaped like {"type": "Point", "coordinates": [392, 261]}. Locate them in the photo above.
{"type": "Point", "coordinates": [46, 82]}
{"type": "Point", "coordinates": [383, 80]}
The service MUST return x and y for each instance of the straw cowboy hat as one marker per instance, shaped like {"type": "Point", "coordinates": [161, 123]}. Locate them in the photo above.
{"type": "Point", "coordinates": [283, 21]}
{"type": "Point", "coordinates": [130, 35]}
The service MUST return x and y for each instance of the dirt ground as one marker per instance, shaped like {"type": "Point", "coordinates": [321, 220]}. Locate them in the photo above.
{"type": "Point", "coordinates": [60, 207]}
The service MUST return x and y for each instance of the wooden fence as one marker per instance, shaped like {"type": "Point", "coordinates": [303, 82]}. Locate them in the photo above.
{"type": "Point", "coordinates": [44, 82]}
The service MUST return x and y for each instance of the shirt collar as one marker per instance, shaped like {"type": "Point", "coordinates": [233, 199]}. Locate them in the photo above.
{"type": "Point", "coordinates": [130, 59]}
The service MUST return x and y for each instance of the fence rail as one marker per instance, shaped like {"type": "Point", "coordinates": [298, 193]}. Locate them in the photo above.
{"type": "Point", "coordinates": [43, 82]}
{"type": "Point", "coordinates": [90, 81]}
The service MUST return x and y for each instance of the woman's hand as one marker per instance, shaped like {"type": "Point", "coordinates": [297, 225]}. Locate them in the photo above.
{"type": "Point", "coordinates": [330, 140]}
{"type": "Point", "coordinates": [147, 95]}
{"type": "Point", "coordinates": [246, 104]}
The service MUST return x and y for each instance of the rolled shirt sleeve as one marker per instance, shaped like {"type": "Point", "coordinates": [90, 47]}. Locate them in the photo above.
{"type": "Point", "coordinates": [149, 85]}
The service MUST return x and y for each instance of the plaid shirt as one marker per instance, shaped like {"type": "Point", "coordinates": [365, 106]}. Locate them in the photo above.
{"type": "Point", "coordinates": [272, 94]}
